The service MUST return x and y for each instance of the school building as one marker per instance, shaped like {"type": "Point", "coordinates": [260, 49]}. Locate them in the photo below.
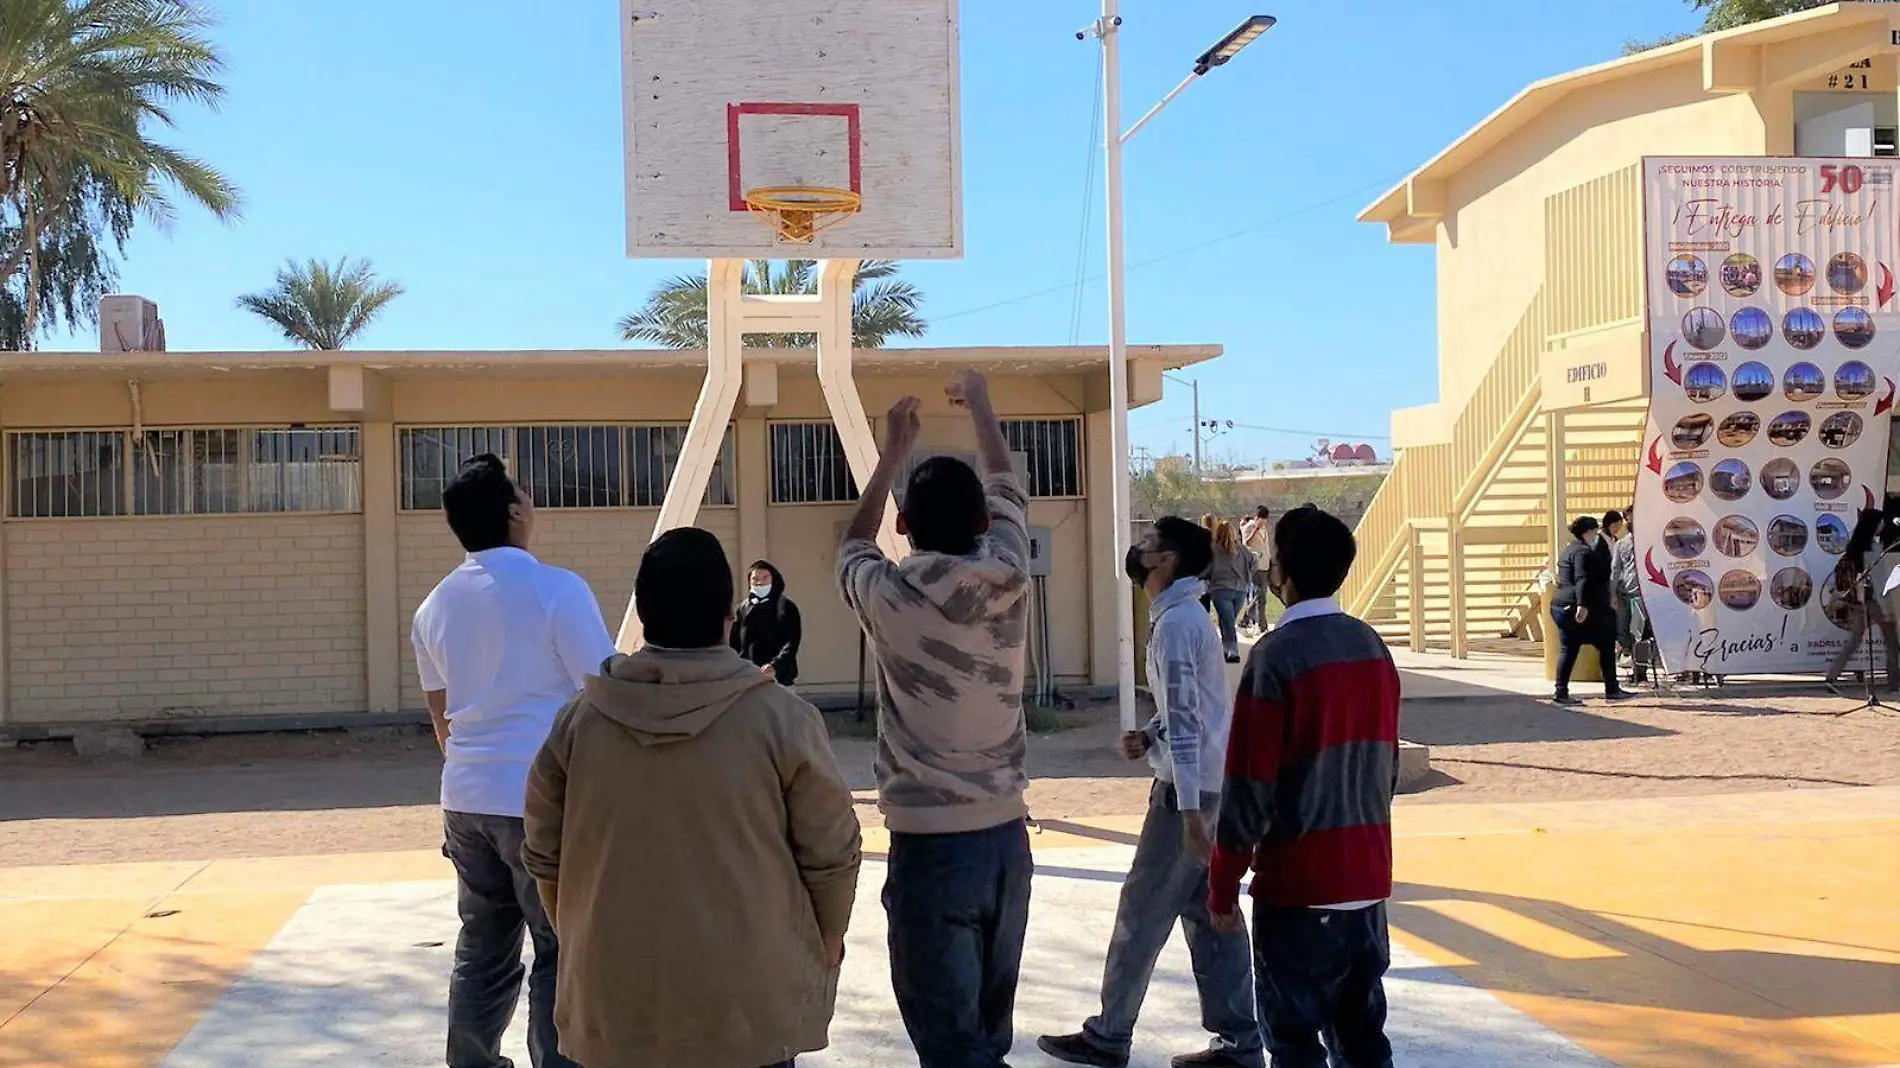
{"type": "Point", "coordinates": [241, 538]}
{"type": "Point", "coordinates": [1535, 216]}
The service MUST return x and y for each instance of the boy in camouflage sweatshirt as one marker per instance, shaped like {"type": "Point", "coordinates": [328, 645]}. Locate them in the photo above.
{"type": "Point", "coordinates": [947, 627]}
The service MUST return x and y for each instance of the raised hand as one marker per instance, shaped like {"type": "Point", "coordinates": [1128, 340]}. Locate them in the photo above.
{"type": "Point", "coordinates": [901, 425]}
{"type": "Point", "coordinates": [967, 388]}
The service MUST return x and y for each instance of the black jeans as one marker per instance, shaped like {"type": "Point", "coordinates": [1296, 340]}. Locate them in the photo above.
{"type": "Point", "coordinates": [1598, 631]}
{"type": "Point", "coordinates": [958, 906]}
{"type": "Point", "coordinates": [499, 903]}
{"type": "Point", "coordinates": [1319, 973]}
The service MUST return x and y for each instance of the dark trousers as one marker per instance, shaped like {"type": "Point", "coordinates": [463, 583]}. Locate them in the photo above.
{"type": "Point", "coordinates": [958, 906]}
{"type": "Point", "coordinates": [499, 904]}
{"type": "Point", "coordinates": [1319, 974]}
{"type": "Point", "coordinates": [1598, 631]}
{"type": "Point", "coordinates": [1166, 884]}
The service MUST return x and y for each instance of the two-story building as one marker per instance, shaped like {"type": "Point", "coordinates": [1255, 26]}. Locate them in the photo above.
{"type": "Point", "coordinates": [1536, 218]}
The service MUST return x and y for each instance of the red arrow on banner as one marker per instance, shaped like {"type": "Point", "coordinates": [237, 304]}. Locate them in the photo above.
{"type": "Point", "coordinates": [1655, 455]}
{"type": "Point", "coordinates": [1670, 367]}
{"type": "Point", "coordinates": [1886, 286]}
{"type": "Point", "coordinates": [1655, 574]}
{"type": "Point", "coordinates": [1885, 403]}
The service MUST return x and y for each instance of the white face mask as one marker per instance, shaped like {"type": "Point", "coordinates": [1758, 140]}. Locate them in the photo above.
{"type": "Point", "coordinates": [761, 592]}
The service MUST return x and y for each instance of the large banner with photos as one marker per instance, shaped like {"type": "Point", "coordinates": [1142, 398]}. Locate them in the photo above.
{"type": "Point", "coordinates": [1773, 342]}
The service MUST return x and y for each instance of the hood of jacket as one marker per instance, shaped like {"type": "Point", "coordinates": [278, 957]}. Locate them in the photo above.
{"type": "Point", "coordinates": [778, 578]}
{"type": "Point", "coordinates": [966, 589]}
{"type": "Point", "coordinates": [671, 695]}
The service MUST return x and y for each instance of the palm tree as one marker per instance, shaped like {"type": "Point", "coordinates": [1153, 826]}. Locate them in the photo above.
{"type": "Point", "coordinates": [323, 307]}
{"type": "Point", "coordinates": [882, 307]}
{"type": "Point", "coordinates": [82, 82]}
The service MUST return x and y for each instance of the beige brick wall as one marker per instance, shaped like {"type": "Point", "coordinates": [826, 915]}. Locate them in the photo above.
{"type": "Point", "coordinates": [602, 545]}
{"type": "Point", "coordinates": [151, 619]}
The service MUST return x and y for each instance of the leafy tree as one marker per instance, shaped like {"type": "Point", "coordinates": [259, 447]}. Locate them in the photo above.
{"type": "Point", "coordinates": [1726, 15]}
{"type": "Point", "coordinates": [320, 306]}
{"type": "Point", "coordinates": [82, 84]}
{"type": "Point", "coordinates": [882, 306]}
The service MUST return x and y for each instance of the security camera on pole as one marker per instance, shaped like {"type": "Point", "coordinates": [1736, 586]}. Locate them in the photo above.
{"type": "Point", "coordinates": [1107, 30]}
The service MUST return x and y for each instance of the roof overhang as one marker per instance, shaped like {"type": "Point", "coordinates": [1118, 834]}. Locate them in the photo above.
{"type": "Point", "coordinates": [581, 363]}
{"type": "Point", "coordinates": [1775, 52]}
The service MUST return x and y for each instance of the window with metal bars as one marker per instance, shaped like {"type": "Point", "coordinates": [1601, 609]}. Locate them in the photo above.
{"type": "Point", "coordinates": [1053, 450]}
{"type": "Point", "coordinates": [809, 466]}
{"type": "Point", "coordinates": [598, 466]}
{"type": "Point", "coordinates": [223, 471]}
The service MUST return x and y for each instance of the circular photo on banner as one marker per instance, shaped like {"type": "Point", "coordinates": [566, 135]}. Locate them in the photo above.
{"type": "Point", "coordinates": [1780, 479]}
{"type": "Point", "coordinates": [1753, 381]}
{"type": "Point", "coordinates": [1787, 535]}
{"type": "Point", "coordinates": [1846, 273]}
{"type": "Point", "coordinates": [1741, 591]}
{"type": "Point", "coordinates": [1688, 276]}
{"type": "Point", "coordinates": [1741, 275]}
{"type": "Point", "coordinates": [1704, 383]}
{"type": "Point", "coordinates": [1684, 538]}
{"type": "Point", "coordinates": [1794, 274]}
{"type": "Point", "coordinates": [1828, 479]}
{"type": "Point", "coordinates": [1738, 429]}
{"type": "Point", "coordinates": [1803, 382]}
{"type": "Point", "coordinates": [1704, 328]}
{"type": "Point", "coordinates": [1694, 589]}
{"type": "Point", "coordinates": [1854, 328]}
{"type": "Point", "coordinates": [1692, 432]}
{"type": "Point", "coordinates": [1789, 428]}
{"type": "Point", "coordinates": [1730, 480]}
{"type": "Point", "coordinates": [1854, 381]}
{"type": "Point", "coordinates": [1831, 534]}
{"type": "Point", "coordinates": [1791, 588]}
{"type": "Point", "coordinates": [1840, 430]}
{"type": "Point", "coordinates": [1803, 328]}
{"type": "Point", "coordinates": [1737, 536]}
{"type": "Point", "coordinates": [1683, 483]}
{"type": "Point", "coordinates": [1838, 607]}
{"type": "Point", "coordinates": [1752, 328]}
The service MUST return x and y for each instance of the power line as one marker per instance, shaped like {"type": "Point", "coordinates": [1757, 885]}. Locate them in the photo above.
{"type": "Point", "coordinates": [1312, 433]}
{"type": "Point", "coordinates": [1088, 200]}
{"type": "Point", "coordinates": [1211, 242]}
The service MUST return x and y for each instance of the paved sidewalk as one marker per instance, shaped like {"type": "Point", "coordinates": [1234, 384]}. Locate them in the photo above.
{"type": "Point", "coordinates": [1746, 931]}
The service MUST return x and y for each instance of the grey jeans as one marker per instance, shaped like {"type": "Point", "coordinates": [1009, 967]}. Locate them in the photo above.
{"type": "Point", "coordinates": [1165, 884]}
{"type": "Point", "coordinates": [499, 904]}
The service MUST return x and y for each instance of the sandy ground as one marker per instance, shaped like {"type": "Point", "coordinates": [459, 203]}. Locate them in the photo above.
{"type": "Point", "coordinates": [266, 795]}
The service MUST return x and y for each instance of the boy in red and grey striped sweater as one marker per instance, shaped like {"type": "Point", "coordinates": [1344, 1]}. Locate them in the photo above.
{"type": "Point", "coordinates": [1312, 764]}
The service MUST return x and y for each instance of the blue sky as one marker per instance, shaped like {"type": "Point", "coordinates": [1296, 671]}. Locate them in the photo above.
{"type": "Point", "coordinates": [472, 149]}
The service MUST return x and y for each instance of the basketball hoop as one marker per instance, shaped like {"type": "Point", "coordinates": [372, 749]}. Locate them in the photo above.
{"type": "Point", "coordinates": [797, 212]}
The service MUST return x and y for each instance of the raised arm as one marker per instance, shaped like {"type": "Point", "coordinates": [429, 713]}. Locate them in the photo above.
{"type": "Point", "coordinates": [971, 390]}
{"type": "Point", "coordinates": [900, 436]}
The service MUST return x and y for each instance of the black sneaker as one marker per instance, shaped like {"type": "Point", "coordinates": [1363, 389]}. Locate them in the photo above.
{"type": "Point", "coordinates": [1564, 699]}
{"type": "Point", "coordinates": [1618, 695]}
{"type": "Point", "coordinates": [1078, 1049]}
{"type": "Point", "coordinates": [1215, 1058]}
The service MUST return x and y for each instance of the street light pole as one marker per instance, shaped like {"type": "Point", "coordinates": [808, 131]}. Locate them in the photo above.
{"type": "Point", "coordinates": [1108, 30]}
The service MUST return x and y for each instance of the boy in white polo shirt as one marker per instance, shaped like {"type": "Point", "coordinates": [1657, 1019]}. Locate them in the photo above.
{"type": "Point", "coordinates": [502, 644]}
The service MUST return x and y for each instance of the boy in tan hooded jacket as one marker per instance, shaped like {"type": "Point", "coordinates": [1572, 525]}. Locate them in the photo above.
{"type": "Point", "coordinates": [694, 843]}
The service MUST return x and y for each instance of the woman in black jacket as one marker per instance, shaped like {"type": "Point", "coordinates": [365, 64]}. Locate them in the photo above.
{"type": "Point", "coordinates": [767, 629]}
{"type": "Point", "coordinates": [1582, 609]}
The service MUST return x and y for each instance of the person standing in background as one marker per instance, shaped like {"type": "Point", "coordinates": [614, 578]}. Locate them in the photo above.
{"type": "Point", "coordinates": [1580, 608]}
{"type": "Point", "coordinates": [501, 644]}
{"type": "Point", "coordinates": [1859, 614]}
{"type": "Point", "coordinates": [1626, 587]}
{"type": "Point", "coordinates": [1257, 534]}
{"type": "Point", "coordinates": [768, 629]}
{"type": "Point", "coordinates": [1185, 743]}
{"type": "Point", "coordinates": [948, 626]}
{"type": "Point", "coordinates": [1229, 580]}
